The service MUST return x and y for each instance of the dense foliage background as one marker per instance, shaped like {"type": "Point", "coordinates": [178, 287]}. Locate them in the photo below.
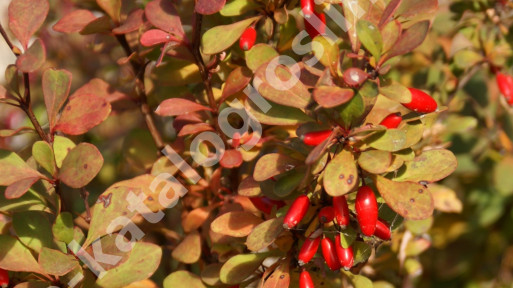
{"type": "Point", "coordinates": [89, 106]}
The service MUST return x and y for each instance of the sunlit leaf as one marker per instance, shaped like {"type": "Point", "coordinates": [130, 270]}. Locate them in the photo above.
{"type": "Point", "coordinates": [33, 229]}
{"type": "Point", "coordinates": [370, 36]}
{"type": "Point", "coordinates": [235, 224]}
{"type": "Point", "coordinates": [14, 256]}
{"type": "Point", "coordinates": [25, 18]}
{"type": "Point", "coordinates": [82, 113]}
{"type": "Point", "coordinates": [264, 234]}
{"type": "Point", "coordinates": [179, 106]}
{"type": "Point", "coordinates": [185, 278]}
{"type": "Point", "coordinates": [430, 166]}
{"type": "Point", "coordinates": [55, 262]}
{"type": "Point", "coordinates": [189, 250]}
{"type": "Point", "coordinates": [238, 7]}
{"type": "Point", "coordinates": [221, 37]}
{"type": "Point", "coordinates": [273, 164]}
{"type": "Point", "coordinates": [56, 86]}
{"type": "Point", "coordinates": [18, 169]}
{"type": "Point", "coordinates": [341, 175]}
{"type": "Point", "coordinates": [240, 267]}
{"type": "Point", "coordinates": [112, 7]}
{"type": "Point", "coordinates": [81, 165]}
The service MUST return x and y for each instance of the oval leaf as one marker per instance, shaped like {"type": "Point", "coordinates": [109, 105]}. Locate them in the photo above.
{"type": "Point", "coordinates": [82, 113]}
{"type": "Point", "coordinates": [81, 165]}
{"type": "Point", "coordinates": [179, 106]}
{"type": "Point", "coordinates": [235, 224]}
{"type": "Point", "coordinates": [341, 175]}
{"type": "Point", "coordinates": [430, 166]}
{"type": "Point", "coordinates": [25, 18]}
{"type": "Point", "coordinates": [264, 234]}
{"type": "Point", "coordinates": [33, 58]}
{"type": "Point", "coordinates": [221, 37]}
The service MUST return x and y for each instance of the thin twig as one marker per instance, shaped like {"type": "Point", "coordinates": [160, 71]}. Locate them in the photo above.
{"type": "Point", "coordinates": [85, 196]}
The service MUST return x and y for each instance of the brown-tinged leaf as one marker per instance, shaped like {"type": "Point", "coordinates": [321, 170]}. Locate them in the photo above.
{"type": "Point", "coordinates": [389, 12]}
{"type": "Point", "coordinates": [375, 161]}
{"type": "Point", "coordinates": [102, 89]}
{"type": "Point", "coordinates": [210, 274]}
{"type": "Point", "coordinates": [417, 8]}
{"type": "Point", "coordinates": [238, 79]}
{"type": "Point", "coordinates": [82, 113]}
{"type": "Point", "coordinates": [221, 37]}
{"type": "Point", "coordinates": [430, 166]}
{"type": "Point", "coordinates": [185, 278]}
{"type": "Point", "coordinates": [396, 91]}
{"type": "Point", "coordinates": [196, 218]}
{"type": "Point", "coordinates": [280, 277]}
{"type": "Point", "coordinates": [240, 267]}
{"type": "Point", "coordinates": [81, 165]}
{"type": "Point", "coordinates": [132, 23]}
{"type": "Point", "coordinates": [179, 106]}
{"type": "Point", "coordinates": [55, 262]}
{"type": "Point", "coordinates": [155, 37]}
{"type": "Point", "coordinates": [231, 159]}
{"type": "Point", "coordinates": [341, 175]}
{"type": "Point", "coordinates": [277, 115]}
{"type": "Point", "coordinates": [332, 96]}
{"type": "Point", "coordinates": [163, 15]}
{"type": "Point", "coordinates": [25, 18]}
{"type": "Point", "coordinates": [391, 140]}
{"type": "Point", "coordinates": [14, 256]}
{"type": "Point", "coordinates": [112, 7]}
{"type": "Point", "coordinates": [281, 86]}
{"type": "Point", "coordinates": [446, 199]}
{"type": "Point", "coordinates": [189, 250]}
{"type": "Point", "coordinates": [191, 129]}
{"type": "Point", "coordinates": [249, 187]}
{"type": "Point", "coordinates": [19, 188]}
{"type": "Point", "coordinates": [208, 7]}
{"type": "Point", "coordinates": [235, 224]}
{"type": "Point", "coordinates": [390, 33]}
{"type": "Point", "coordinates": [410, 200]}
{"type": "Point", "coordinates": [260, 54]}
{"type": "Point", "coordinates": [33, 58]}
{"type": "Point", "coordinates": [97, 26]}
{"type": "Point", "coordinates": [273, 164]}
{"type": "Point", "coordinates": [74, 21]}
{"type": "Point", "coordinates": [56, 86]}
{"type": "Point", "coordinates": [264, 234]}
{"type": "Point", "coordinates": [18, 169]}
{"type": "Point", "coordinates": [409, 39]}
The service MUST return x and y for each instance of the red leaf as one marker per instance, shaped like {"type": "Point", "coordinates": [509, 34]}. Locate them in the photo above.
{"type": "Point", "coordinates": [25, 18]}
{"type": "Point", "coordinates": [231, 159]}
{"type": "Point", "coordinates": [163, 15]}
{"type": "Point", "coordinates": [179, 106]}
{"type": "Point", "coordinates": [74, 21]}
{"type": "Point", "coordinates": [237, 80]}
{"type": "Point", "coordinates": [82, 113]}
{"type": "Point", "coordinates": [332, 96]}
{"type": "Point", "coordinates": [208, 7]}
{"type": "Point", "coordinates": [18, 189]}
{"type": "Point", "coordinates": [33, 58]}
{"type": "Point", "coordinates": [155, 36]}
{"type": "Point", "coordinates": [102, 89]}
{"type": "Point", "coordinates": [134, 20]}
{"type": "Point", "coordinates": [191, 129]}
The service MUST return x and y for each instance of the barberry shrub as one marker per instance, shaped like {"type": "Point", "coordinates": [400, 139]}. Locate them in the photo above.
{"type": "Point", "coordinates": [244, 143]}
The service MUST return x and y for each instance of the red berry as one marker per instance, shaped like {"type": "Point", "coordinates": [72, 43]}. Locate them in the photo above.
{"type": "Point", "coordinates": [341, 210]}
{"type": "Point", "coordinates": [316, 138]}
{"type": "Point", "coordinates": [4, 278]}
{"type": "Point", "coordinates": [392, 121]}
{"type": "Point", "coordinates": [248, 38]}
{"type": "Point", "coordinates": [421, 102]}
{"type": "Point", "coordinates": [327, 214]}
{"type": "Point", "coordinates": [296, 212]}
{"type": "Point", "coordinates": [382, 230]}
{"type": "Point", "coordinates": [366, 210]}
{"type": "Point", "coordinates": [330, 254]}
{"type": "Point", "coordinates": [308, 250]}
{"type": "Point", "coordinates": [265, 204]}
{"type": "Point", "coordinates": [305, 281]}
{"type": "Point", "coordinates": [345, 256]}
{"type": "Point", "coordinates": [308, 8]}
{"type": "Point", "coordinates": [505, 83]}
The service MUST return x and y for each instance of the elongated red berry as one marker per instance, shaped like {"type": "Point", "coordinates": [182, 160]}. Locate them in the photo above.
{"type": "Point", "coordinates": [316, 138]}
{"type": "Point", "coordinates": [315, 23]}
{"type": "Point", "coordinates": [305, 280]}
{"type": "Point", "coordinates": [248, 38]}
{"type": "Point", "coordinates": [326, 214]}
{"type": "Point", "coordinates": [265, 204]}
{"type": "Point", "coordinates": [421, 102]}
{"type": "Point", "coordinates": [341, 211]}
{"type": "Point", "coordinates": [296, 212]}
{"type": "Point", "coordinates": [392, 121]}
{"type": "Point", "coordinates": [308, 250]}
{"type": "Point", "coordinates": [505, 83]}
{"type": "Point", "coordinates": [4, 278]}
{"type": "Point", "coordinates": [366, 210]}
{"type": "Point", "coordinates": [382, 230]}
{"type": "Point", "coordinates": [345, 255]}
{"type": "Point", "coordinates": [330, 254]}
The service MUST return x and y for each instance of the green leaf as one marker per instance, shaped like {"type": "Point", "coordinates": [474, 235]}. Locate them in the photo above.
{"type": "Point", "coordinates": [362, 252]}
{"type": "Point", "coordinates": [189, 250]}
{"type": "Point", "coordinates": [33, 58]}
{"type": "Point", "coordinates": [369, 35]}
{"type": "Point", "coordinates": [289, 181]}
{"type": "Point", "coordinates": [341, 175]}
{"type": "Point", "coordinates": [81, 165]}
{"type": "Point", "coordinates": [141, 264]}
{"type": "Point", "coordinates": [25, 18]}
{"type": "Point", "coordinates": [390, 33]}
{"type": "Point", "coordinates": [56, 86]}
{"type": "Point", "coordinates": [397, 92]}
{"type": "Point", "coordinates": [238, 7]}
{"type": "Point", "coordinates": [467, 58]}
{"type": "Point", "coordinates": [430, 166]}
{"type": "Point", "coordinates": [358, 281]}
{"type": "Point", "coordinates": [277, 115]}
{"type": "Point", "coordinates": [326, 50]}
{"type": "Point", "coordinates": [419, 227]}
{"type": "Point", "coordinates": [43, 154]}
{"type": "Point", "coordinates": [390, 140]}
{"type": "Point", "coordinates": [264, 234]}
{"type": "Point", "coordinates": [18, 169]}
{"type": "Point", "coordinates": [82, 113]}
{"type": "Point", "coordinates": [347, 237]}
{"type": "Point", "coordinates": [240, 267]}
{"type": "Point", "coordinates": [221, 37]}
{"type": "Point", "coordinates": [56, 263]}
{"type": "Point", "coordinates": [260, 54]}
{"type": "Point", "coordinates": [235, 223]}
{"type": "Point", "coordinates": [185, 278]}
{"type": "Point", "coordinates": [63, 227]}
{"type": "Point", "coordinates": [61, 148]}
{"type": "Point", "coordinates": [375, 161]}
{"type": "Point", "coordinates": [14, 256]}
{"type": "Point", "coordinates": [502, 176]}
{"type": "Point", "coordinates": [351, 111]}
{"type": "Point", "coordinates": [332, 96]}
{"type": "Point", "coordinates": [410, 200]}
{"type": "Point", "coordinates": [33, 229]}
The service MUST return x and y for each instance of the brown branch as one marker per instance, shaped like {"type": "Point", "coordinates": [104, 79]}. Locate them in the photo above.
{"type": "Point", "coordinates": [142, 100]}
{"type": "Point", "coordinates": [85, 196]}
